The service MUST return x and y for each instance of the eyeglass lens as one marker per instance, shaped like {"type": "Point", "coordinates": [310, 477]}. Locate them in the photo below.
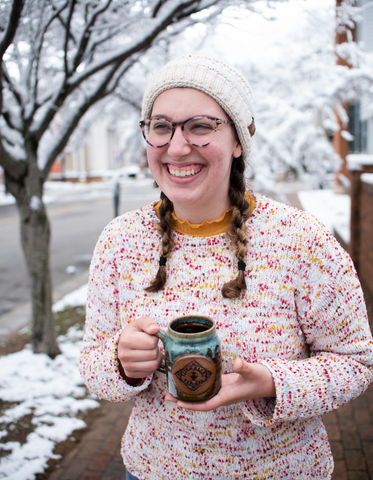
{"type": "Point", "coordinates": [198, 131]}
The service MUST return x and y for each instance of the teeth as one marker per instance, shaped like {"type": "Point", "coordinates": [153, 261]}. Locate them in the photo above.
{"type": "Point", "coordinates": [183, 173]}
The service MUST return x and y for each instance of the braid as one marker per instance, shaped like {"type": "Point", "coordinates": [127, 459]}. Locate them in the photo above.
{"type": "Point", "coordinates": [237, 230]}
{"type": "Point", "coordinates": [164, 229]}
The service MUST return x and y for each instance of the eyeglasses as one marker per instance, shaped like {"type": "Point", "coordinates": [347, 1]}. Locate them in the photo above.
{"type": "Point", "coordinates": [198, 131]}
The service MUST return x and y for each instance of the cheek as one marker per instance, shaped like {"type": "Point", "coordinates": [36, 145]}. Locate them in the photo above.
{"type": "Point", "coordinates": [153, 156]}
{"type": "Point", "coordinates": [221, 157]}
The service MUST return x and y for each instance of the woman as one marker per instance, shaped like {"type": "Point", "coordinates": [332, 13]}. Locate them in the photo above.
{"type": "Point", "coordinates": [284, 295]}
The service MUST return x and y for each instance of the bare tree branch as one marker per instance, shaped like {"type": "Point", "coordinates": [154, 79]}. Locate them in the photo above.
{"type": "Point", "coordinates": [98, 93]}
{"type": "Point", "coordinates": [12, 86]}
{"type": "Point", "coordinates": [67, 36]}
{"type": "Point", "coordinates": [85, 37]}
{"type": "Point", "coordinates": [136, 46]}
{"type": "Point", "coordinates": [12, 25]}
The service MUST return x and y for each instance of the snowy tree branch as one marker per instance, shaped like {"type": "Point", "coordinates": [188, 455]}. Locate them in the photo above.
{"type": "Point", "coordinates": [12, 86]}
{"type": "Point", "coordinates": [85, 37]}
{"type": "Point", "coordinates": [86, 102]}
{"type": "Point", "coordinates": [11, 28]}
{"type": "Point", "coordinates": [67, 36]}
{"type": "Point", "coordinates": [137, 45]}
{"type": "Point", "coordinates": [120, 73]}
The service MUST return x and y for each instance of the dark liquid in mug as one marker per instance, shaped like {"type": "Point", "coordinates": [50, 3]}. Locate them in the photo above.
{"type": "Point", "coordinates": [191, 328]}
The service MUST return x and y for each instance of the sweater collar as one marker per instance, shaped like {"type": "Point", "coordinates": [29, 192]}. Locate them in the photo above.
{"type": "Point", "coordinates": [206, 229]}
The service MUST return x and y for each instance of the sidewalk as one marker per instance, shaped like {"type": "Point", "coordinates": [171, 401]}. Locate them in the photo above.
{"type": "Point", "coordinates": [97, 456]}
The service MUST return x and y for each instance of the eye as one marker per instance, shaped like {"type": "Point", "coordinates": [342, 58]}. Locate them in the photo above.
{"type": "Point", "coordinates": [202, 126]}
{"type": "Point", "coordinates": [160, 127]}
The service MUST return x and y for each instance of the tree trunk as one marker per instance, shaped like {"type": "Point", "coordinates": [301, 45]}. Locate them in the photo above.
{"type": "Point", "coordinates": [35, 238]}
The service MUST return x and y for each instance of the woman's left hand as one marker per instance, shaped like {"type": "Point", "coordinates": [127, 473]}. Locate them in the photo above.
{"type": "Point", "coordinates": [248, 381]}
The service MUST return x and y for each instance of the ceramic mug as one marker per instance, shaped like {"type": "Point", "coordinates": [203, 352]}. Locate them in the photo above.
{"type": "Point", "coordinates": [192, 358]}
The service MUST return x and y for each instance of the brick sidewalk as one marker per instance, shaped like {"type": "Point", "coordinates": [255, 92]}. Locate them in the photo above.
{"type": "Point", "coordinates": [97, 457]}
{"type": "Point", "coordinates": [350, 432]}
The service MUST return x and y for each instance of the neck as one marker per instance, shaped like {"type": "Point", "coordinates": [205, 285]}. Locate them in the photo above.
{"type": "Point", "coordinates": [200, 214]}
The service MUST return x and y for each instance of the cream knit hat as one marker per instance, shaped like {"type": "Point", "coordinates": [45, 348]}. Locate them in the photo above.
{"type": "Point", "coordinates": [212, 76]}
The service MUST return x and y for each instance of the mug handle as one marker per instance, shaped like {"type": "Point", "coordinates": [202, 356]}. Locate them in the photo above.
{"type": "Point", "coordinates": [162, 336]}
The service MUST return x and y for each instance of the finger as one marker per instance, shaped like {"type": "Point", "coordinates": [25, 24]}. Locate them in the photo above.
{"type": "Point", "coordinates": [229, 379]}
{"type": "Point", "coordinates": [147, 325]}
{"type": "Point", "coordinates": [200, 406]}
{"type": "Point", "coordinates": [133, 340]}
{"type": "Point", "coordinates": [140, 369]}
{"type": "Point", "coordinates": [223, 398]}
{"type": "Point", "coordinates": [170, 398]}
{"type": "Point", "coordinates": [134, 356]}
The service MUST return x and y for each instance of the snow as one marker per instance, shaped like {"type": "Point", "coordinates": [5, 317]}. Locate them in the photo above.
{"type": "Point", "coordinates": [52, 390]}
{"type": "Point", "coordinates": [35, 203]}
{"type": "Point", "coordinates": [333, 210]}
{"type": "Point", "coordinates": [356, 161]}
{"type": "Point", "coordinates": [6, 199]}
{"type": "Point", "coordinates": [367, 178]}
{"type": "Point", "coordinates": [73, 299]}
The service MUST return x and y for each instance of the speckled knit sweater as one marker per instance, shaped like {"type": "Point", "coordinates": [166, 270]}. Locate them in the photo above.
{"type": "Point", "coordinates": [302, 315]}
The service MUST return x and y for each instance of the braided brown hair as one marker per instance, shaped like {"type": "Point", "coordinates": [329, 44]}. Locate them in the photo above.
{"type": "Point", "coordinates": [165, 231]}
{"type": "Point", "coordinates": [236, 230]}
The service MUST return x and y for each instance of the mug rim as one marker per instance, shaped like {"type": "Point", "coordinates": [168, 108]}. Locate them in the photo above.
{"type": "Point", "coordinates": [205, 333]}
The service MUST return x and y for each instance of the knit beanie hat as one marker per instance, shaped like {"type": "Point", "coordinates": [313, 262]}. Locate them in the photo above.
{"type": "Point", "coordinates": [214, 77]}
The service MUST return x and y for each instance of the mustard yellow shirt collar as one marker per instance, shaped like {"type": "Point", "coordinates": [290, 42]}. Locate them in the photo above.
{"type": "Point", "coordinates": [206, 229]}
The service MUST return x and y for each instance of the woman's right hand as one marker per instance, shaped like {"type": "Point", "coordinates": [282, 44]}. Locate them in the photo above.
{"type": "Point", "coordinates": [138, 352]}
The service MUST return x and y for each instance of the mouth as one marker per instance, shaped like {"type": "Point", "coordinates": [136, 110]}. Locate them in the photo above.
{"type": "Point", "coordinates": [184, 172]}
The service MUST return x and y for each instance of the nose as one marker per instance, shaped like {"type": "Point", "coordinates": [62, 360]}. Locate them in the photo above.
{"type": "Point", "coordinates": [178, 146]}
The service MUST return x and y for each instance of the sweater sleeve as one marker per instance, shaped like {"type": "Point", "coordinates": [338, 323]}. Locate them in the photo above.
{"type": "Point", "coordinates": [332, 317]}
{"type": "Point", "coordinates": [99, 364]}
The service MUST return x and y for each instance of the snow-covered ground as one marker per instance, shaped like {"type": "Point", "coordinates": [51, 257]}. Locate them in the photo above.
{"type": "Point", "coordinates": [333, 210]}
{"type": "Point", "coordinates": [52, 390]}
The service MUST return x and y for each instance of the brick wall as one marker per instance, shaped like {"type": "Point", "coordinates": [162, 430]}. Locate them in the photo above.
{"type": "Point", "coordinates": [366, 235]}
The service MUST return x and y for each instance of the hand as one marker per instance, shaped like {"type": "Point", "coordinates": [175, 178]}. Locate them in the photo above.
{"type": "Point", "coordinates": [138, 352]}
{"type": "Point", "coordinates": [249, 381]}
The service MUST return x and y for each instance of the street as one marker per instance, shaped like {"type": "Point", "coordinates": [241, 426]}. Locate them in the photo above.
{"type": "Point", "coordinates": [77, 217]}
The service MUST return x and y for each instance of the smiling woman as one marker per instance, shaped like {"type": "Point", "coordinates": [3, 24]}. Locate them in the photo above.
{"type": "Point", "coordinates": [286, 302]}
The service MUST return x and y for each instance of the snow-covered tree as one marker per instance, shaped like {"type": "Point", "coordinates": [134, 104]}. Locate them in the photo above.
{"type": "Point", "coordinates": [298, 86]}
{"type": "Point", "coordinates": [59, 58]}
{"type": "Point", "coordinates": [290, 61]}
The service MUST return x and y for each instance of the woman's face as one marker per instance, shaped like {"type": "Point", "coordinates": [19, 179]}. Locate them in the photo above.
{"type": "Point", "coordinates": [202, 195]}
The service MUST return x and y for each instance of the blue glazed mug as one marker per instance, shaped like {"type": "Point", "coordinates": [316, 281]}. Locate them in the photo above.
{"type": "Point", "coordinates": [192, 358]}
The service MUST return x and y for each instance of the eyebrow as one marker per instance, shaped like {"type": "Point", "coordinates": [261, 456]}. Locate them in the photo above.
{"type": "Point", "coordinates": [165, 117]}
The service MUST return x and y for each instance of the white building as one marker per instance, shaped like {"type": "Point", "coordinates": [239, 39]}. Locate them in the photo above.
{"type": "Point", "coordinates": [99, 154]}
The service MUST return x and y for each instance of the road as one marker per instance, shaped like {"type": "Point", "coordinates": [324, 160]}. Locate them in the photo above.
{"type": "Point", "coordinates": [77, 217]}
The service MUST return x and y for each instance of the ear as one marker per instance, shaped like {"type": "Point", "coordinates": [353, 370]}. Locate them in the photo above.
{"type": "Point", "coordinates": [237, 152]}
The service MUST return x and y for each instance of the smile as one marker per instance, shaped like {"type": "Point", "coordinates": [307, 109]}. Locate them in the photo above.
{"type": "Point", "coordinates": [184, 173]}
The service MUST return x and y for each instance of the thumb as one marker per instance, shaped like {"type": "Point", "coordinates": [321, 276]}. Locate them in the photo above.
{"type": "Point", "coordinates": [240, 366]}
{"type": "Point", "coordinates": [147, 325]}
{"type": "Point", "coordinates": [151, 329]}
